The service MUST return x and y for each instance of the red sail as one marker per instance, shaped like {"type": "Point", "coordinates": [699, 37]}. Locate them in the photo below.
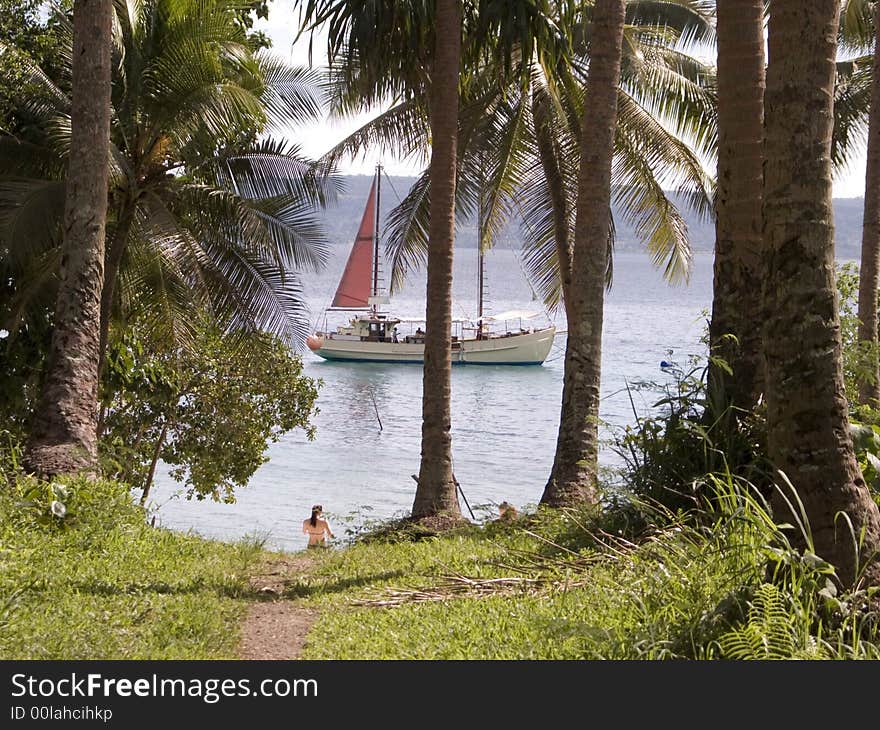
{"type": "Point", "coordinates": [356, 285]}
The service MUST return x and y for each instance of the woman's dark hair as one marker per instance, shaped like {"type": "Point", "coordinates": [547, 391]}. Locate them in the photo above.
{"type": "Point", "coordinates": [316, 510]}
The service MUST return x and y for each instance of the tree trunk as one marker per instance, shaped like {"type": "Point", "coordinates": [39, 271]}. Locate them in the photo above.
{"type": "Point", "coordinates": [151, 473]}
{"type": "Point", "coordinates": [869, 392]}
{"type": "Point", "coordinates": [736, 303]}
{"type": "Point", "coordinates": [436, 492]}
{"type": "Point", "coordinates": [809, 438]}
{"type": "Point", "coordinates": [113, 262]}
{"type": "Point", "coordinates": [63, 431]}
{"type": "Point", "coordinates": [574, 474]}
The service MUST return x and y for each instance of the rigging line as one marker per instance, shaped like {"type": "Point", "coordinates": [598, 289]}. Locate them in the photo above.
{"type": "Point", "coordinates": [460, 490]}
{"type": "Point", "coordinates": [375, 407]}
{"type": "Point", "coordinates": [393, 189]}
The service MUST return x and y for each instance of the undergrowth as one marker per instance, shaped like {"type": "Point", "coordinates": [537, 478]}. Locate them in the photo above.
{"type": "Point", "coordinates": [725, 583]}
{"type": "Point", "coordinates": [83, 576]}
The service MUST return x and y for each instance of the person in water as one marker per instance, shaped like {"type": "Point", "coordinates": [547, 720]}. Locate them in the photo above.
{"type": "Point", "coordinates": [317, 528]}
{"type": "Point", "coordinates": [507, 512]}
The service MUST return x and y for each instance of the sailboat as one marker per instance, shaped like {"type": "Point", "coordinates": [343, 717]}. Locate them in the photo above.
{"type": "Point", "coordinates": [372, 335]}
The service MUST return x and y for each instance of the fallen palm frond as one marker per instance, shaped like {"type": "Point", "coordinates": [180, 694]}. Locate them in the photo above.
{"type": "Point", "coordinates": [538, 573]}
{"type": "Point", "coordinates": [459, 586]}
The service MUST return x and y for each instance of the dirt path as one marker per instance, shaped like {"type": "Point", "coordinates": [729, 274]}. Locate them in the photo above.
{"type": "Point", "coordinates": [276, 627]}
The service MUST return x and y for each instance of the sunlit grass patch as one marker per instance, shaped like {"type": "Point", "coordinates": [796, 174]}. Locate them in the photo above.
{"type": "Point", "coordinates": [695, 586]}
{"type": "Point", "coordinates": [100, 583]}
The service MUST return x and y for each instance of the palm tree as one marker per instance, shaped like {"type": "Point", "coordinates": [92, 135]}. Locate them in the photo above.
{"type": "Point", "coordinates": [393, 51]}
{"type": "Point", "coordinates": [519, 135]}
{"type": "Point", "coordinates": [436, 492]}
{"type": "Point", "coordinates": [203, 212]}
{"type": "Point", "coordinates": [63, 434]}
{"type": "Point", "coordinates": [574, 475]}
{"type": "Point", "coordinates": [808, 431]}
{"type": "Point", "coordinates": [401, 50]}
{"type": "Point", "coordinates": [869, 272]}
{"type": "Point", "coordinates": [736, 305]}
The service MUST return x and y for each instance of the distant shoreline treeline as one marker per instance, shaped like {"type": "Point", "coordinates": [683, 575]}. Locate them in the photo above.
{"type": "Point", "coordinates": [342, 219]}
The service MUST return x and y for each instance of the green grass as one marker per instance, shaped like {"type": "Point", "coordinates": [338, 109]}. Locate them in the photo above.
{"type": "Point", "coordinates": [97, 582]}
{"type": "Point", "coordinates": [100, 583]}
{"type": "Point", "coordinates": [680, 589]}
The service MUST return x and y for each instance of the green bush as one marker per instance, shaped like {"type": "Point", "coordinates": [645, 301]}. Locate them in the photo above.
{"type": "Point", "coordinates": [669, 455]}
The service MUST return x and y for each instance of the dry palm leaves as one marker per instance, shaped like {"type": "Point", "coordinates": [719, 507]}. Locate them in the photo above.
{"type": "Point", "coordinates": [537, 574]}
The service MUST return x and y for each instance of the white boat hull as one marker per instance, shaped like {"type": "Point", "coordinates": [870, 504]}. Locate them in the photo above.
{"type": "Point", "coordinates": [527, 348]}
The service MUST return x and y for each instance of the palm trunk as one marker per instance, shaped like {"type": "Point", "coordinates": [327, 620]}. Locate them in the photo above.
{"type": "Point", "coordinates": [869, 391]}
{"type": "Point", "coordinates": [63, 430]}
{"type": "Point", "coordinates": [113, 262]}
{"type": "Point", "coordinates": [574, 475]}
{"type": "Point", "coordinates": [809, 438]}
{"type": "Point", "coordinates": [436, 492]}
{"type": "Point", "coordinates": [548, 155]}
{"type": "Point", "coordinates": [736, 304]}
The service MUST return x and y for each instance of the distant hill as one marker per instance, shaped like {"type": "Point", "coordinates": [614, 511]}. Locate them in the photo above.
{"type": "Point", "coordinates": [342, 219]}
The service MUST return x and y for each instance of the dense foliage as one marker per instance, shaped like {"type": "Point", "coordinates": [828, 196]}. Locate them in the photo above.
{"type": "Point", "coordinates": [27, 37]}
{"type": "Point", "coordinates": [209, 412]}
{"type": "Point", "coordinates": [858, 357]}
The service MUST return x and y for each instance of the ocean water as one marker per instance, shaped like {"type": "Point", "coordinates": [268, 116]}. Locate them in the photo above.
{"type": "Point", "coordinates": [504, 418]}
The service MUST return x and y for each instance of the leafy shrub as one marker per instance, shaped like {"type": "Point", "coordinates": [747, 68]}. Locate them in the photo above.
{"type": "Point", "coordinates": [690, 435]}
{"type": "Point", "coordinates": [858, 357]}
{"type": "Point", "coordinates": [866, 441]}
{"type": "Point", "coordinates": [208, 410]}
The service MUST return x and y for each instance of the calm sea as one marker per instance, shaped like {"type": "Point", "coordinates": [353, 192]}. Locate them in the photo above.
{"type": "Point", "coordinates": [504, 418]}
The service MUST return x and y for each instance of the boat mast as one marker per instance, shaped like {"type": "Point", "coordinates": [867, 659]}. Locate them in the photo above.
{"type": "Point", "coordinates": [376, 239]}
{"type": "Point", "coordinates": [480, 268]}
{"type": "Point", "coordinates": [480, 273]}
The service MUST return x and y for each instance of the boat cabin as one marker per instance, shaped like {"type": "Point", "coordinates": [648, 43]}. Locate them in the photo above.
{"type": "Point", "coordinates": [371, 328]}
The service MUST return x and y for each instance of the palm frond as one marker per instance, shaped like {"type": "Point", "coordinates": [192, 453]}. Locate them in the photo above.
{"type": "Point", "coordinates": [291, 95]}
{"type": "Point", "coordinates": [274, 167]}
{"type": "Point", "coordinates": [406, 234]}
{"type": "Point", "coordinates": [852, 105]}
{"type": "Point", "coordinates": [282, 229]}
{"type": "Point", "coordinates": [31, 211]}
{"type": "Point", "coordinates": [36, 285]}
{"type": "Point", "coordinates": [402, 130]}
{"type": "Point", "coordinates": [857, 33]}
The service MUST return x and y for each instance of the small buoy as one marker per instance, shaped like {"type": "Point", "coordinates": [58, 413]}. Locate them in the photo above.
{"type": "Point", "coordinates": [314, 342]}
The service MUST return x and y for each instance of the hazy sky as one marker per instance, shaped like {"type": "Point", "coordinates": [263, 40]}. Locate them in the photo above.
{"type": "Point", "coordinates": [319, 138]}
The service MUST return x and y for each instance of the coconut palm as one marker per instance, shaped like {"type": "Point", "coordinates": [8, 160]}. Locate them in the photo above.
{"type": "Point", "coordinates": [808, 430]}
{"type": "Point", "coordinates": [859, 34]}
{"type": "Point", "coordinates": [62, 438]}
{"type": "Point", "coordinates": [522, 141]}
{"type": "Point", "coordinates": [389, 49]}
{"type": "Point", "coordinates": [396, 51]}
{"type": "Point", "coordinates": [734, 337]}
{"type": "Point", "coordinates": [204, 210]}
{"type": "Point", "coordinates": [574, 475]}
{"type": "Point", "coordinates": [436, 492]}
